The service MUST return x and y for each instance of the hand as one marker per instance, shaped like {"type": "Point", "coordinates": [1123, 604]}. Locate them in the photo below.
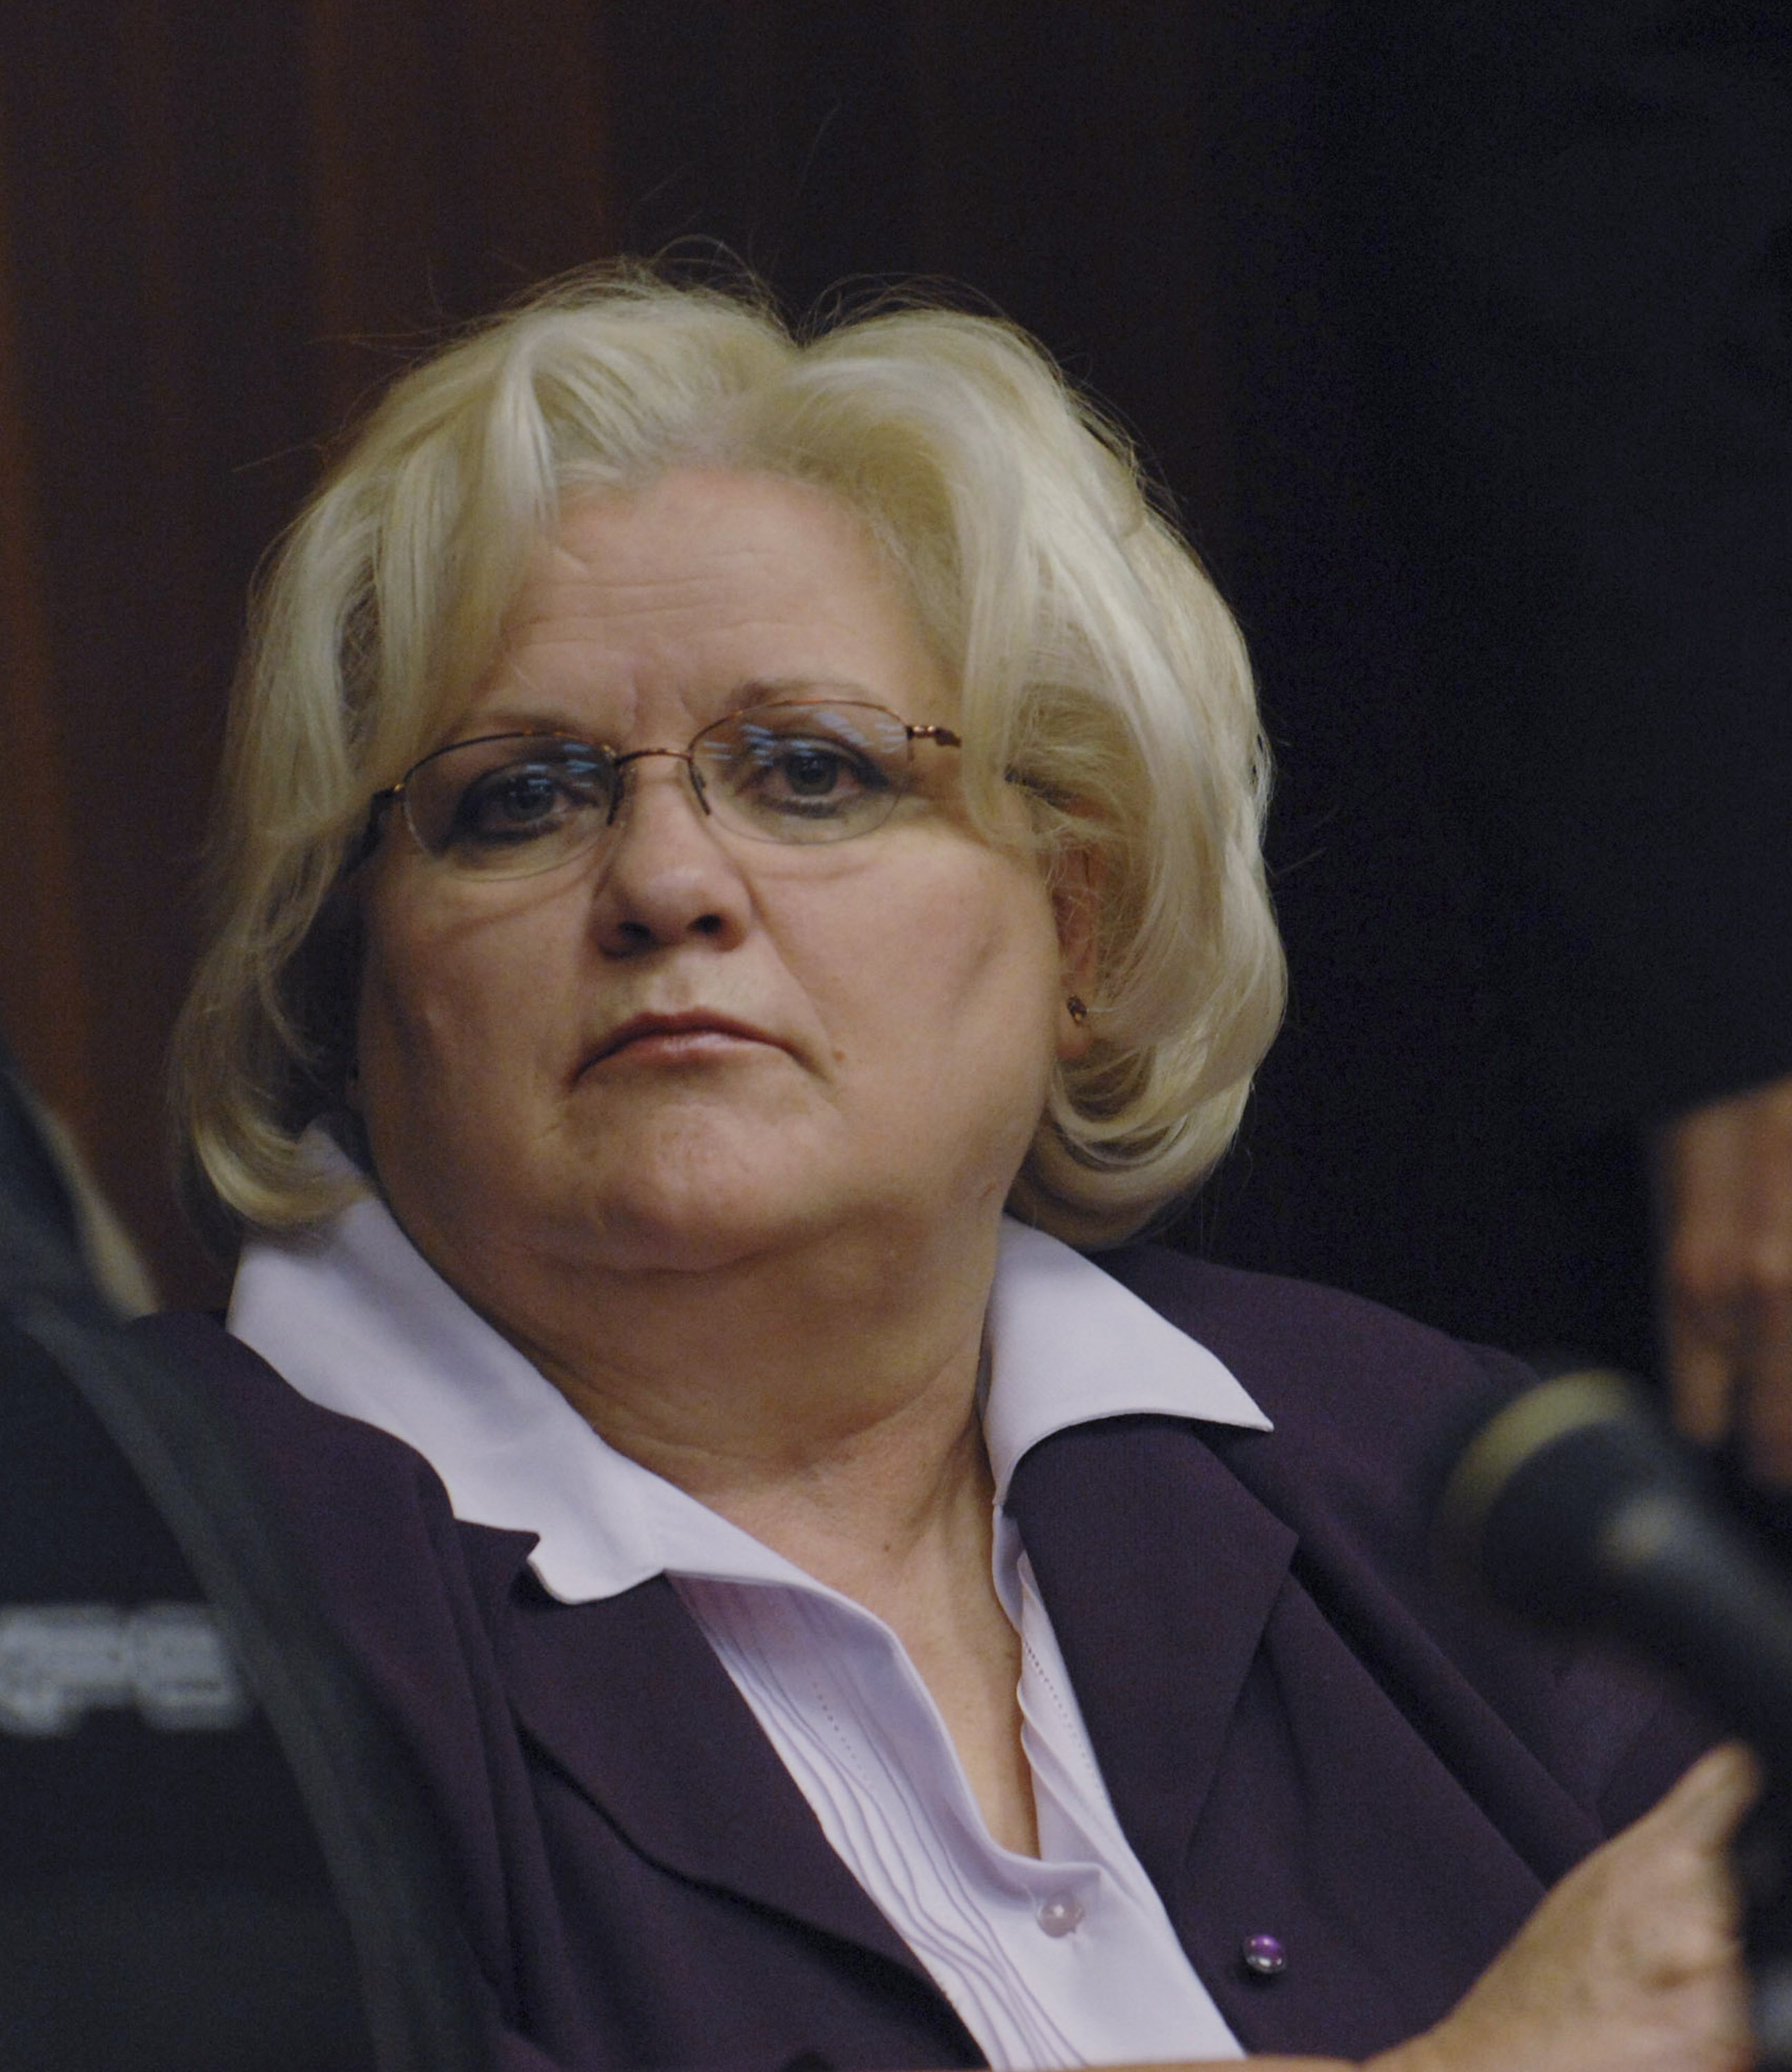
{"type": "Point", "coordinates": [1724, 1186]}
{"type": "Point", "coordinates": [1631, 1963]}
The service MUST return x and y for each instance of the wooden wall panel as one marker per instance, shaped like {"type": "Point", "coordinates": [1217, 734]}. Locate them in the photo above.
{"type": "Point", "coordinates": [456, 156]}
{"type": "Point", "coordinates": [99, 331]}
{"type": "Point", "coordinates": [43, 978]}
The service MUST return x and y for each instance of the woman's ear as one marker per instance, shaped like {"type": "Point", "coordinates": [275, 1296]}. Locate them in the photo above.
{"type": "Point", "coordinates": [1077, 876]}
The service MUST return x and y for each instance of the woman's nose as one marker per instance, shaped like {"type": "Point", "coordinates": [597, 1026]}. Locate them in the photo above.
{"type": "Point", "coordinates": [664, 878]}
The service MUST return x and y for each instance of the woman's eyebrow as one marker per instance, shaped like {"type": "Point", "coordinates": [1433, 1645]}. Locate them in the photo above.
{"type": "Point", "coordinates": [532, 720]}
{"type": "Point", "coordinates": [548, 715]}
{"type": "Point", "coordinates": [778, 690]}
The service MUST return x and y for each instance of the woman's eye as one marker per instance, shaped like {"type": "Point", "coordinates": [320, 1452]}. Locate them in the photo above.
{"type": "Point", "coordinates": [808, 777]}
{"type": "Point", "coordinates": [519, 805]}
{"type": "Point", "coordinates": [811, 771]}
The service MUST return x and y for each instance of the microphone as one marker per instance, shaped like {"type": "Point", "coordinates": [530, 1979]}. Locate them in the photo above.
{"type": "Point", "coordinates": [1575, 1506]}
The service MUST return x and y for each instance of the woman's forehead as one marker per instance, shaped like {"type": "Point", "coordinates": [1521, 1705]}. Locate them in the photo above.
{"type": "Point", "coordinates": [701, 533]}
{"type": "Point", "coordinates": [708, 590]}
{"type": "Point", "coordinates": [530, 708]}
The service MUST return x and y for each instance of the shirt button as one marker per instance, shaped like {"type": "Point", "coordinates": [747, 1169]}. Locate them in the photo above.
{"type": "Point", "coordinates": [1060, 1915]}
{"type": "Point", "coordinates": [1264, 1956]}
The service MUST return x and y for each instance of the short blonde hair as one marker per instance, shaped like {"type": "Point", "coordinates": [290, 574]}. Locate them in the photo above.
{"type": "Point", "coordinates": [1095, 660]}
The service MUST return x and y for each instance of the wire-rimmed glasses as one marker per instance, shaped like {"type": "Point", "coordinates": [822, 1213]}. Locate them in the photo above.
{"type": "Point", "coordinates": [808, 770]}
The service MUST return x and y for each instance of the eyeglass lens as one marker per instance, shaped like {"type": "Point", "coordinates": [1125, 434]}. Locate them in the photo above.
{"type": "Point", "coordinates": [518, 804]}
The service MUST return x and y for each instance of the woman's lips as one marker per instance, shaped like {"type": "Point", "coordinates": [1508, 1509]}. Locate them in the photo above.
{"type": "Point", "coordinates": [676, 1039]}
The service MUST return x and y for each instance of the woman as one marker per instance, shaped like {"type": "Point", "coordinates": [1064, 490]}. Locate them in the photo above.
{"type": "Point", "coordinates": [711, 823]}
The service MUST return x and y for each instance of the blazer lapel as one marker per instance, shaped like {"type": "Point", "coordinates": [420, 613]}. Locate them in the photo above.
{"type": "Point", "coordinates": [627, 1698]}
{"type": "Point", "coordinates": [1159, 1571]}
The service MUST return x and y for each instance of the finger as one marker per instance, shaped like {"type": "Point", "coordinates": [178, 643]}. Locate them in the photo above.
{"type": "Point", "coordinates": [1705, 1808]}
{"type": "Point", "coordinates": [1702, 1373]}
{"type": "Point", "coordinates": [1723, 1185]}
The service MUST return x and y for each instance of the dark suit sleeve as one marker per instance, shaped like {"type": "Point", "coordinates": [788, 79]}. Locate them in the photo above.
{"type": "Point", "coordinates": [1584, 288]}
{"type": "Point", "coordinates": [512, 2053]}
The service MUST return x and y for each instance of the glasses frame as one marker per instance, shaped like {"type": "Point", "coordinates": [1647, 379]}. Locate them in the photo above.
{"type": "Point", "coordinates": [382, 802]}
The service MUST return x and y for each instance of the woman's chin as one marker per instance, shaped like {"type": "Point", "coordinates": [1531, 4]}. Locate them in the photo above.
{"type": "Point", "coordinates": [661, 1242]}
{"type": "Point", "coordinates": [708, 1219]}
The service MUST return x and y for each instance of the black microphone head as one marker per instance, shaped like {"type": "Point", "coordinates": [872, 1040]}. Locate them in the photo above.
{"type": "Point", "coordinates": [1541, 1507]}
{"type": "Point", "coordinates": [1577, 1506]}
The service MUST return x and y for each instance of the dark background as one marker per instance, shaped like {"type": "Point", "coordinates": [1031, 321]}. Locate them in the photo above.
{"type": "Point", "coordinates": [222, 227]}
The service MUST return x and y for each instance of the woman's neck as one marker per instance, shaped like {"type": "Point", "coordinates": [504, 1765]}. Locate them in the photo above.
{"type": "Point", "coordinates": [819, 1394]}
{"type": "Point", "coordinates": [825, 1401]}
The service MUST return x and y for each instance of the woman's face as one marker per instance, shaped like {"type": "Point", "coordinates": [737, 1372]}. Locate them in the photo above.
{"type": "Point", "coordinates": [687, 1048]}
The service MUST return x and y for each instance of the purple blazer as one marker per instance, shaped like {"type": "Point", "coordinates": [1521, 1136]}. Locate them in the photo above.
{"type": "Point", "coordinates": [1304, 1735]}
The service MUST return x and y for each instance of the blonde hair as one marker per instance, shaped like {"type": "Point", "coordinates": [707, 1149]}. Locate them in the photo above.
{"type": "Point", "coordinates": [1096, 661]}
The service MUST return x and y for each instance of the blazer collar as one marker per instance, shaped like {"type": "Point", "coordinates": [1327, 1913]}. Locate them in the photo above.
{"type": "Point", "coordinates": [682, 1768]}
{"type": "Point", "coordinates": [1159, 1571]}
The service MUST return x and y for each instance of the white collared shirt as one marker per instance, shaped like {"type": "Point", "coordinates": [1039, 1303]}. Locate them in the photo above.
{"type": "Point", "coordinates": [1066, 1958]}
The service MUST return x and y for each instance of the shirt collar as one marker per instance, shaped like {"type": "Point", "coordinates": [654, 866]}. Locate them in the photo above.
{"type": "Point", "coordinates": [1070, 1345]}
{"type": "Point", "coordinates": [356, 1319]}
